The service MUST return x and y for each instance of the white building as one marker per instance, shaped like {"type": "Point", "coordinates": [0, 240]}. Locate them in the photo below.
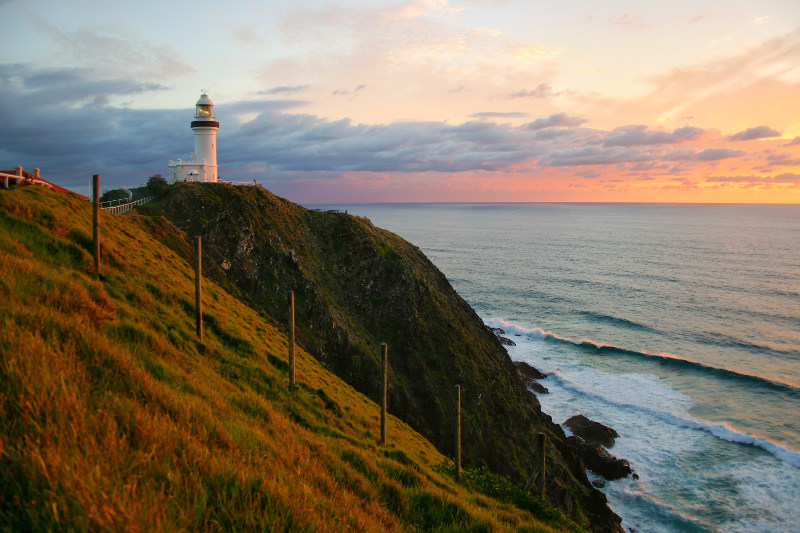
{"type": "Point", "coordinates": [202, 163]}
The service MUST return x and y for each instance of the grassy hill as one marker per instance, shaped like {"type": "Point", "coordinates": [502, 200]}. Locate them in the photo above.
{"type": "Point", "coordinates": [357, 285]}
{"type": "Point", "coordinates": [114, 418]}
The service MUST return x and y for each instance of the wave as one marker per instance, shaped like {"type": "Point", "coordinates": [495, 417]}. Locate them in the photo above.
{"type": "Point", "coordinates": [721, 339]}
{"type": "Point", "coordinates": [616, 321]}
{"type": "Point", "coordinates": [719, 430]}
{"type": "Point", "coordinates": [666, 359]}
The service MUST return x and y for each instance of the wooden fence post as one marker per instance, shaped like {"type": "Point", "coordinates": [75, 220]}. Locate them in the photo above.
{"type": "Point", "coordinates": [539, 472]}
{"type": "Point", "coordinates": [291, 346]}
{"type": "Point", "coordinates": [541, 442]}
{"type": "Point", "coordinates": [458, 433]}
{"type": "Point", "coordinates": [385, 350]}
{"type": "Point", "coordinates": [96, 222]}
{"type": "Point", "coordinates": [198, 273]}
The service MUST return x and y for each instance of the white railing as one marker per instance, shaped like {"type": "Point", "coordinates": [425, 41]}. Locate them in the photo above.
{"type": "Point", "coordinates": [124, 208]}
{"type": "Point", "coordinates": [251, 183]}
{"type": "Point", "coordinates": [7, 178]}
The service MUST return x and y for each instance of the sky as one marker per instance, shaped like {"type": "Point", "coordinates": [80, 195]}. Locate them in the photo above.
{"type": "Point", "coordinates": [414, 100]}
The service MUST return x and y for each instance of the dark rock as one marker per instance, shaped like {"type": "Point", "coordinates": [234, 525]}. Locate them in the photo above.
{"type": "Point", "coordinates": [505, 341]}
{"type": "Point", "coordinates": [591, 431]}
{"type": "Point", "coordinates": [527, 371]}
{"type": "Point", "coordinates": [598, 460]}
{"type": "Point", "coordinates": [535, 386]}
{"type": "Point", "coordinates": [529, 374]}
{"type": "Point", "coordinates": [599, 483]}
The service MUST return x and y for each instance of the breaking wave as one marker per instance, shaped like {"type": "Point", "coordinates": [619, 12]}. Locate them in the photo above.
{"type": "Point", "coordinates": [666, 359]}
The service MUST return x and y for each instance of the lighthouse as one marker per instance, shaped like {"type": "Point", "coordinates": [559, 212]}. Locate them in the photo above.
{"type": "Point", "coordinates": [202, 163]}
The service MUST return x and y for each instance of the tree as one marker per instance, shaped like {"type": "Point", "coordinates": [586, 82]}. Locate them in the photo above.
{"type": "Point", "coordinates": [114, 195]}
{"type": "Point", "coordinates": [157, 185]}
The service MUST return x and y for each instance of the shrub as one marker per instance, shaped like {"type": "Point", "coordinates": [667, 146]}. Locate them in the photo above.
{"type": "Point", "coordinates": [157, 185]}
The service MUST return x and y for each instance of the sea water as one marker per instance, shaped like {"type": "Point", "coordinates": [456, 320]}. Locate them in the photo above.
{"type": "Point", "coordinates": [677, 325]}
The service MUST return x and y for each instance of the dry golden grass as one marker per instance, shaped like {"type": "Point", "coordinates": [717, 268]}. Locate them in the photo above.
{"type": "Point", "coordinates": [114, 418]}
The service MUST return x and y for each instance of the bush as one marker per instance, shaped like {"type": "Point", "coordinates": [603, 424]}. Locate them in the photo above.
{"type": "Point", "coordinates": [157, 185]}
{"type": "Point", "coordinates": [114, 194]}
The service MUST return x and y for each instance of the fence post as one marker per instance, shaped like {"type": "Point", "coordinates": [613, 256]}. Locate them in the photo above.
{"type": "Point", "coordinates": [96, 221]}
{"type": "Point", "coordinates": [385, 350]}
{"type": "Point", "coordinates": [291, 346]}
{"type": "Point", "coordinates": [458, 433]}
{"type": "Point", "coordinates": [198, 271]}
{"type": "Point", "coordinates": [541, 442]}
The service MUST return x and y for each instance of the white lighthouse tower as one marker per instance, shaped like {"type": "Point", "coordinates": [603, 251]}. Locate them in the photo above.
{"type": "Point", "coordinates": [202, 164]}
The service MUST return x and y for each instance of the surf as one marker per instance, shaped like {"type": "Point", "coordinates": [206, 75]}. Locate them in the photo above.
{"type": "Point", "coordinates": [602, 349]}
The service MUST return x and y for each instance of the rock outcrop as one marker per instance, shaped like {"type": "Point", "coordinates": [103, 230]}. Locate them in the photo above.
{"type": "Point", "coordinates": [500, 334]}
{"type": "Point", "coordinates": [598, 460]}
{"type": "Point", "coordinates": [529, 376]}
{"type": "Point", "coordinates": [591, 431]}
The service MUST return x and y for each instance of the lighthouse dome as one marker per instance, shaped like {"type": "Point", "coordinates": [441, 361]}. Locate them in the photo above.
{"type": "Point", "coordinates": [204, 100]}
{"type": "Point", "coordinates": [204, 108]}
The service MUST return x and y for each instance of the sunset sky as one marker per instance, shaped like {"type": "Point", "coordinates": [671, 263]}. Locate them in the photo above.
{"type": "Point", "coordinates": [427, 100]}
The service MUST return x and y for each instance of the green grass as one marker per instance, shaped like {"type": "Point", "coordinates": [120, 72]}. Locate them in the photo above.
{"type": "Point", "coordinates": [113, 417]}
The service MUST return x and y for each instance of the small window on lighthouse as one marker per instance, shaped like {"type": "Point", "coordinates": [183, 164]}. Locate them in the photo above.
{"type": "Point", "coordinates": [203, 110]}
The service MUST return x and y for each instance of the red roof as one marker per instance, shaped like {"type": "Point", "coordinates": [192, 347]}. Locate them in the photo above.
{"type": "Point", "coordinates": [59, 188]}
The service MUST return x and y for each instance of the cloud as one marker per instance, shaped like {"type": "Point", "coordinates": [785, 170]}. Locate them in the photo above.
{"type": "Point", "coordinates": [61, 121]}
{"type": "Point", "coordinates": [592, 155]}
{"type": "Point", "coordinates": [642, 135]}
{"type": "Point", "coordinates": [345, 92]}
{"type": "Point", "coordinates": [628, 21]}
{"type": "Point", "coordinates": [497, 114]}
{"type": "Point", "coordinates": [543, 90]}
{"type": "Point", "coordinates": [758, 132]}
{"type": "Point", "coordinates": [793, 142]}
{"type": "Point", "coordinates": [783, 160]}
{"type": "Point", "coordinates": [709, 90]}
{"type": "Point", "coordinates": [282, 89]}
{"type": "Point", "coordinates": [715, 154]}
{"type": "Point", "coordinates": [588, 174]}
{"type": "Point", "coordinates": [67, 86]}
{"type": "Point", "coordinates": [788, 177]}
{"type": "Point", "coordinates": [120, 54]}
{"type": "Point", "coordinates": [559, 120]}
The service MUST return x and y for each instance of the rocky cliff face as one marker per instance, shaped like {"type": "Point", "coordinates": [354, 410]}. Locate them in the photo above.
{"type": "Point", "coordinates": [357, 286]}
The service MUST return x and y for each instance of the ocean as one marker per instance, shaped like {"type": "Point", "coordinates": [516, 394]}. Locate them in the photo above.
{"type": "Point", "coordinates": [677, 325]}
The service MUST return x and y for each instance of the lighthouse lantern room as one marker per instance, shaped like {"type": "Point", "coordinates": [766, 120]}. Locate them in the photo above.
{"type": "Point", "coordinates": [202, 164]}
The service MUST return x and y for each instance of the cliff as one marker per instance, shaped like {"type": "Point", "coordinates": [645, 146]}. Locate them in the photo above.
{"type": "Point", "coordinates": [357, 286]}
{"type": "Point", "coordinates": [115, 417]}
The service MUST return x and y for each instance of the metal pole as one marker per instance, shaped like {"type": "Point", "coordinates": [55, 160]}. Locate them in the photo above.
{"type": "Point", "coordinates": [291, 346]}
{"type": "Point", "coordinates": [385, 349]}
{"type": "Point", "coordinates": [96, 221]}
{"type": "Point", "coordinates": [198, 272]}
{"type": "Point", "coordinates": [458, 433]}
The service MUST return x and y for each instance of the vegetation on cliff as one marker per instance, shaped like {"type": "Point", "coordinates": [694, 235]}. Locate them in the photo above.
{"type": "Point", "coordinates": [114, 418]}
{"type": "Point", "coordinates": [357, 286]}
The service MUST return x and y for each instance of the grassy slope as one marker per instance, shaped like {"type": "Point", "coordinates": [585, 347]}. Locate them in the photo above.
{"type": "Point", "coordinates": [113, 417]}
{"type": "Point", "coordinates": [355, 286]}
